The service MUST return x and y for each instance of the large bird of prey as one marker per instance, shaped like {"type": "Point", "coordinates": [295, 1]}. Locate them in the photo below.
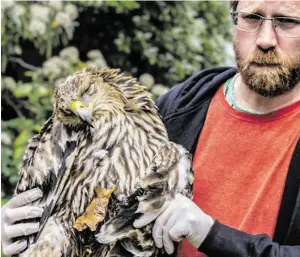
{"type": "Point", "coordinates": [103, 153]}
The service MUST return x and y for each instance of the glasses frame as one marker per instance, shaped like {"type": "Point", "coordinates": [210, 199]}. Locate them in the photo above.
{"type": "Point", "coordinates": [262, 21]}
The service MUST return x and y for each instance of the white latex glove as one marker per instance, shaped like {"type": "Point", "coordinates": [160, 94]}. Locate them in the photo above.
{"type": "Point", "coordinates": [15, 210]}
{"type": "Point", "coordinates": [182, 218]}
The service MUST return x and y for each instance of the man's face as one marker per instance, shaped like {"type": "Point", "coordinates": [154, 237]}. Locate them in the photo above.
{"type": "Point", "coordinates": [268, 63]}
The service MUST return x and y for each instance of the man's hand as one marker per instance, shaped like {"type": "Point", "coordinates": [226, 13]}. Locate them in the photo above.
{"type": "Point", "coordinates": [15, 210]}
{"type": "Point", "coordinates": [182, 218]}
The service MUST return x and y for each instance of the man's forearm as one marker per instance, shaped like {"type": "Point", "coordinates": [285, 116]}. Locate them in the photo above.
{"type": "Point", "coordinates": [228, 242]}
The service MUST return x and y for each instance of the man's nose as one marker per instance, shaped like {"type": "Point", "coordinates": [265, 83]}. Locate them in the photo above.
{"type": "Point", "coordinates": [267, 36]}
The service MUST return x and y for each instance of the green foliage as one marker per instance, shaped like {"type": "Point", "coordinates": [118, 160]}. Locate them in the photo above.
{"type": "Point", "coordinates": [174, 38]}
{"type": "Point", "coordinates": [47, 24]}
{"type": "Point", "coordinates": [161, 42]}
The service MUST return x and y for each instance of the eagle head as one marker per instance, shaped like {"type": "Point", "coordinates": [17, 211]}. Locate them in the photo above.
{"type": "Point", "coordinates": [93, 93]}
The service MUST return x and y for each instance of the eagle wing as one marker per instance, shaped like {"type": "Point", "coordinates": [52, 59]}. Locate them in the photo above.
{"type": "Point", "coordinates": [37, 161]}
{"type": "Point", "coordinates": [42, 162]}
{"type": "Point", "coordinates": [169, 173]}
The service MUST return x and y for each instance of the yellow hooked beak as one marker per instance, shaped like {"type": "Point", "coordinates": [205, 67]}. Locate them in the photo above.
{"type": "Point", "coordinates": [82, 112]}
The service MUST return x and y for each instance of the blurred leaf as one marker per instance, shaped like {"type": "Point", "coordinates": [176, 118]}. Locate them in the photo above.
{"type": "Point", "coordinates": [5, 160]}
{"type": "Point", "coordinates": [19, 144]}
{"type": "Point", "coordinates": [18, 152]}
{"type": "Point", "coordinates": [23, 91]}
{"type": "Point", "coordinates": [3, 201]}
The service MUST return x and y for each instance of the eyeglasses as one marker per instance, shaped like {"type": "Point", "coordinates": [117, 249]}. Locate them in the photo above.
{"type": "Point", "coordinates": [251, 22]}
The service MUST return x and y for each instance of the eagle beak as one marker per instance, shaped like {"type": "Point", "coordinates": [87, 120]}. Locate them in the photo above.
{"type": "Point", "coordinates": [82, 112]}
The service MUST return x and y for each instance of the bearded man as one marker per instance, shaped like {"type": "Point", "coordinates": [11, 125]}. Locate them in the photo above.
{"type": "Point", "coordinates": [243, 128]}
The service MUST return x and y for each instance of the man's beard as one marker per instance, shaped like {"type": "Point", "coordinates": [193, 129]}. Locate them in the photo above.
{"type": "Point", "coordinates": [270, 82]}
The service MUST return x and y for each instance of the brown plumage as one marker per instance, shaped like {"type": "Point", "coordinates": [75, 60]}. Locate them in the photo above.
{"type": "Point", "coordinates": [117, 140]}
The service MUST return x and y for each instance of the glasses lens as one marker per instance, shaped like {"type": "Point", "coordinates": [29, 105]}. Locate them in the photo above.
{"type": "Point", "coordinates": [287, 27]}
{"type": "Point", "coordinates": [248, 22]}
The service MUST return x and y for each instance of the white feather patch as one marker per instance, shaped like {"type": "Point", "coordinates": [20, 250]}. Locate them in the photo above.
{"type": "Point", "coordinates": [100, 154]}
{"type": "Point", "coordinates": [184, 167]}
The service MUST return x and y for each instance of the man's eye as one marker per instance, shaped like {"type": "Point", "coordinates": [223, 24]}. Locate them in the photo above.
{"type": "Point", "coordinates": [252, 17]}
{"type": "Point", "coordinates": [287, 21]}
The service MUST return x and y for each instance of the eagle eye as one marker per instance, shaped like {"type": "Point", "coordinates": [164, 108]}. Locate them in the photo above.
{"type": "Point", "coordinates": [66, 112]}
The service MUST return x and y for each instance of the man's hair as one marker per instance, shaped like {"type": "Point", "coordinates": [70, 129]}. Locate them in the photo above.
{"type": "Point", "coordinates": [233, 5]}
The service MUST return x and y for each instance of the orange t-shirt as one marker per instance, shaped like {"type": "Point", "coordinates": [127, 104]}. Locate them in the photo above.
{"type": "Point", "coordinates": [241, 163]}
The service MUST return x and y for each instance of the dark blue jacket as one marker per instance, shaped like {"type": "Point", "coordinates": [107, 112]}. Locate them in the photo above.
{"type": "Point", "coordinates": [184, 110]}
